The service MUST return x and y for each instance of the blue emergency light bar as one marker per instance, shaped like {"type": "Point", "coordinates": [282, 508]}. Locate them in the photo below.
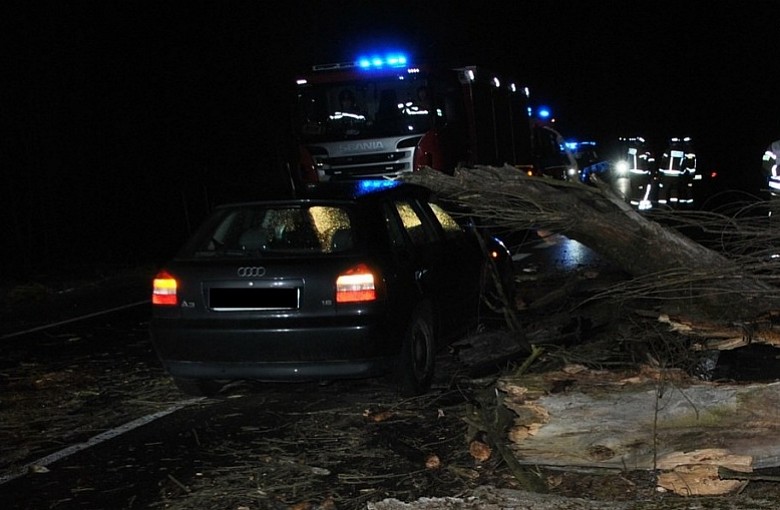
{"type": "Point", "coordinates": [364, 187]}
{"type": "Point", "coordinates": [574, 145]}
{"type": "Point", "coordinates": [389, 60]}
{"type": "Point", "coordinates": [370, 63]}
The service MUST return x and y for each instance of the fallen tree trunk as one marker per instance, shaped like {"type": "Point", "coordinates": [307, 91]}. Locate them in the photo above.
{"type": "Point", "coordinates": [649, 419]}
{"type": "Point", "coordinates": [690, 432]}
{"type": "Point", "coordinates": [684, 276]}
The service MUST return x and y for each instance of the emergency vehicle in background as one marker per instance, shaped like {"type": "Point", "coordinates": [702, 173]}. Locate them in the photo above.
{"type": "Point", "coordinates": [381, 116]}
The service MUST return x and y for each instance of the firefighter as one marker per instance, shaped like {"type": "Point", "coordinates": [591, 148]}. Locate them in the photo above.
{"type": "Point", "coordinates": [424, 98]}
{"type": "Point", "coordinates": [347, 102]}
{"type": "Point", "coordinates": [769, 166]}
{"type": "Point", "coordinates": [670, 173]}
{"type": "Point", "coordinates": [688, 176]}
{"type": "Point", "coordinates": [633, 172]}
{"type": "Point", "coordinates": [772, 172]}
{"type": "Point", "coordinates": [349, 118]}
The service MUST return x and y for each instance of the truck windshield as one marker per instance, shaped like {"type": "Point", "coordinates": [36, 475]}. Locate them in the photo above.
{"type": "Point", "coordinates": [365, 109]}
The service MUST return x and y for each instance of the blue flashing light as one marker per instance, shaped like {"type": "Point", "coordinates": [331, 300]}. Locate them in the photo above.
{"type": "Point", "coordinates": [544, 112]}
{"type": "Point", "coordinates": [367, 186]}
{"type": "Point", "coordinates": [575, 145]}
{"type": "Point", "coordinates": [377, 61]}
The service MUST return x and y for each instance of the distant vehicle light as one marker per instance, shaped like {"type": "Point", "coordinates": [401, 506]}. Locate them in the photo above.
{"type": "Point", "coordinates": [621, 167]}
{"type": "Point", "coordinates": [356, 285]}
{"type": "Point", "coordinates": [164, 289]}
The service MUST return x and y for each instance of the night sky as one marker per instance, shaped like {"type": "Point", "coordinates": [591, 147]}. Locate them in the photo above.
{"type": "Point", "coordinates": [129, 120]}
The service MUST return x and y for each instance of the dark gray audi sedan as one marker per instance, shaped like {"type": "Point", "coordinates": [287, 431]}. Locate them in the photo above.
{"type": "Point", "coordinates": [347, 280]}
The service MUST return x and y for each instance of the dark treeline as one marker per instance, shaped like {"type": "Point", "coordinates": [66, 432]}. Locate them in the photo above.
{"type": "Point", "coordinates": [125, 133]}
{"type": "Point", "coordinates": [129, 120]}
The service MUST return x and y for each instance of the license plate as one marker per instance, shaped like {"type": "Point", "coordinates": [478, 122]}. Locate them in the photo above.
{"type": "Point", "coordinates": [254, 299]}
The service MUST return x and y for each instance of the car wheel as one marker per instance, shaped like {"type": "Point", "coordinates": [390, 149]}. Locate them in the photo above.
{"type": "Point", "coordinates": [416, 364]}
{"type": "Point", "coordinates": [197, 387]}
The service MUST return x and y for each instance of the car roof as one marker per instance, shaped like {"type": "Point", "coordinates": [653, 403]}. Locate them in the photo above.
{"type": "Point", "coordinates": [348, 191]}
{"type": "Point", "coordinates": [353, 190]}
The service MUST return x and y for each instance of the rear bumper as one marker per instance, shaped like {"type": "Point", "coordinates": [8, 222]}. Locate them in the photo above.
{"type": "Point", "coordinates": [278, 371]}
{"type": "Point", "coordinates": [241, 350]}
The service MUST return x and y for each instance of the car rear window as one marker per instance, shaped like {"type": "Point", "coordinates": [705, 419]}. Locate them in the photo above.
{"type": "Point", "coordinates": [282, 228]}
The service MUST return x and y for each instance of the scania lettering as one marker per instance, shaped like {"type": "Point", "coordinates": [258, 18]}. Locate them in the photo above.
{"type": "Point", "coordinates": [358, 147]}
{"type": "Point", "coordinates": [379, 117]}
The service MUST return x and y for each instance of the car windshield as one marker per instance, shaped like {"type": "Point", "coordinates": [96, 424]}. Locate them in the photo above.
{"type": "Point", "coordinates": [252, 229]}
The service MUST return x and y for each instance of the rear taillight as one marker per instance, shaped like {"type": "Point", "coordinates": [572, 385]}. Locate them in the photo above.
{"type": "Point", "coordinates": [164, 289]}
{"type": "Point", "coordinates": [356, 285]}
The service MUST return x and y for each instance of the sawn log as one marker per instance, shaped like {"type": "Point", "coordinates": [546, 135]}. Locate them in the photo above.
{"type": "Point", "coordinates": [647, 419]}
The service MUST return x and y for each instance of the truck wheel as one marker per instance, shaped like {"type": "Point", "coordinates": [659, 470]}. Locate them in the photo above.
{"type": "Point", "coordinates": [418, 353]}
{"type": "Point", "coordinates": [197, 387]}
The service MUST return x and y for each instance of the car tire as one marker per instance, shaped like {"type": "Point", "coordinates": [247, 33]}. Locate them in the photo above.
{"type": "Point", "coordinates": [418, 353]}
{"type": "Point", "coordinates": [197, 387]}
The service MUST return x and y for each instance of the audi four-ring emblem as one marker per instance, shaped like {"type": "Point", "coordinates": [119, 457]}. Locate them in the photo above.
{"type": "Point", "coordinates": [251, 271]}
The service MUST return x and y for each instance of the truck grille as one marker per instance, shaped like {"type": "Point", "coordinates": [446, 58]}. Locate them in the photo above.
{"type": "Point", "coordinates": [366, 164]}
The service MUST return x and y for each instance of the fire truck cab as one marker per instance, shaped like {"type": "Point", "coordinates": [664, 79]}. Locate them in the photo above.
{"type": "Point", "coordinates": [381, 116]}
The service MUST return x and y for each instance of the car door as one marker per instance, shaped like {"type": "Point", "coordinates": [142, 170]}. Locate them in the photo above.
{"type": "Point", "coordinates": [407, 274]}
{"type": "Point", "coordinates": [461, 265]}
{"type": "Point", "coordinates": [446, 267]}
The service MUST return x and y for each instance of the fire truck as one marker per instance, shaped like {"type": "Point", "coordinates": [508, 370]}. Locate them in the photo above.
{"type": "Point", "coordinates": [381, 116]}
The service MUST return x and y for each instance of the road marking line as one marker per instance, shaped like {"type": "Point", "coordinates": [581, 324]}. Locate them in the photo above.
{"type": "Point", "coordinates": [104, 436]}
{"type": "Point", "coordinates": [74, 319]}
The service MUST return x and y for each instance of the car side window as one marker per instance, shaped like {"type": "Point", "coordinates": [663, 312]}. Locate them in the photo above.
{"type": "Point", "coordinates": [412, 219]}
{"type": "Point", "coordinates": [452, 230]}
{"type": "Point", "coordinates": [394, 228]}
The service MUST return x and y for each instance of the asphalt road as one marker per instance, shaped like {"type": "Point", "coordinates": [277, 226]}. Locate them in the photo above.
{"type": "Point", "coordinates": [90, 420]}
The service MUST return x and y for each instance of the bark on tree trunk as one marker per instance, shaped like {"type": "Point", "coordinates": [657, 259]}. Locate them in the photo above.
{"type": "Point", "coordinates": [714, 286]}
{"type": "Point", "coordinates": [649, 419]}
